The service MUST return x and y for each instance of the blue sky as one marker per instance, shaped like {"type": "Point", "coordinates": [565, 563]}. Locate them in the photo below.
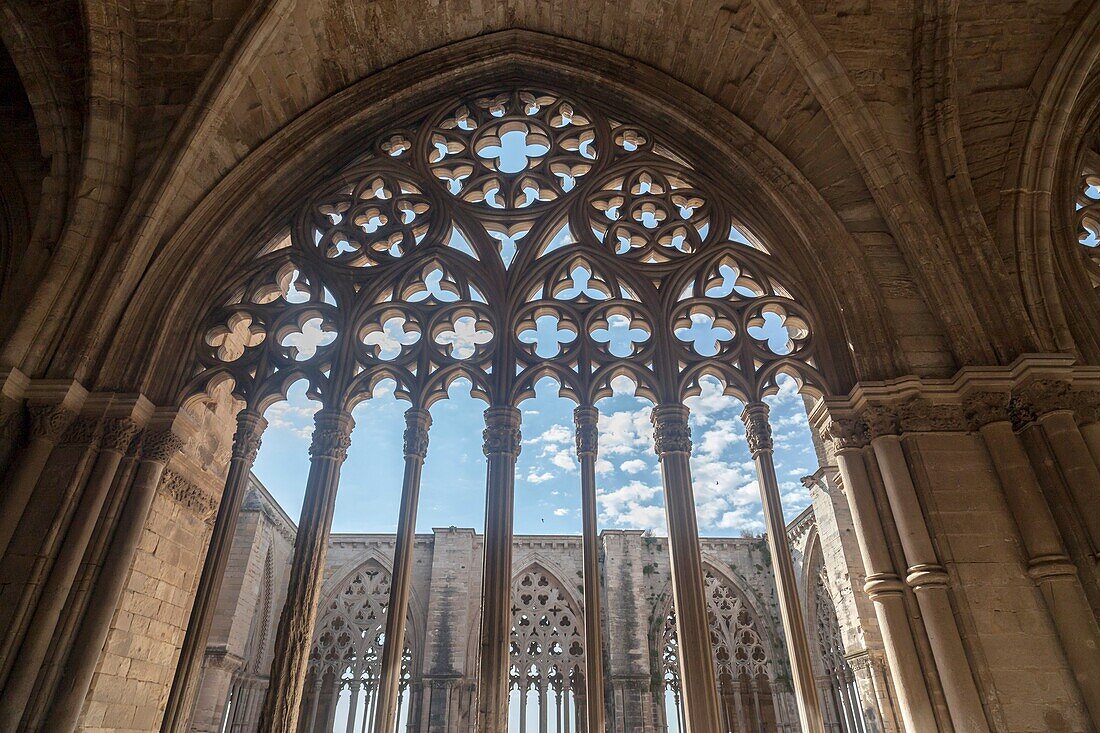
{"type": "Point", "coordinates": [547, 479]}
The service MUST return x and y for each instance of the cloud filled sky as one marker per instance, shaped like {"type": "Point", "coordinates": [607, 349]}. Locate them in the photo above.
{"type": "Point", "coordinates": [629, 494]}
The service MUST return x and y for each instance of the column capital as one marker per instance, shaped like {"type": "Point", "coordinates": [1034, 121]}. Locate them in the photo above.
{"type": "Point", "coordinates": [85, 430]}
{"type": "Point", "coordinates": [847, 434]}
{"type": "Point", "coordinates": [671, 432]}
{"type": "Point", "coordinates": [502, 433]}
{"type": "Point", "coordinates": [331, 434]}
{"type": "Point", "coordinates": [881, 420]}
{"type": "Point", "coordinates": [1087, 404]}
{"type": "Point", "coordinates": [585, 420]}
{"type": "Point", "coordinates": [49, 422]}
{"type": "Point", "coordinates": [246, 440]}
{"type": "Point", "coordinates": [758, 431]}
{"type": "Point", "coordinates": [118, 433]}
{"type": "Point", "coordinates": [1039, 397]}
{"type": "Point", "coordinates": [924, 416]}
{"type": "Point", "coordinates": [417, 423]}
{"type": "Point", "coordinates": [160, 445]}
{"type": "Point", "coordinates": [986, 408]}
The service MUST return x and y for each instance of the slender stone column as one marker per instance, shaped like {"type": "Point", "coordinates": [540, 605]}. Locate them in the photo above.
{"type": "Point", "coordinates": [758, 434]}
{"type": "Point", "coordinates": [585, 419]}
{"type": "Point", "coordinates": [1078, 468]}
{"type": "Point", "coordinates": [1089, 409]}
{"type": "Point", "coordinates": [117, 436]}
{"type": "Point", "coordinates": [331, 440]}
{"type": "Point", "coordinates": [417, 423]}
{"type": "Point", "coordinates": [883, 585]}
{"type": "Point", "coordinates": [698, 685]}
{"type": "Point", "coordinates": [1049, 564]}
{"type": "Point", "coordinates": [48, 423]}
{"type": "Point", "coordinates": [185, 685]}
{"type": "Point", "coordinates": [158, 447]}
{"type": "Point", "coordinates": [927, 577]}
{"type": "Point", "coordinates": [502, 444]}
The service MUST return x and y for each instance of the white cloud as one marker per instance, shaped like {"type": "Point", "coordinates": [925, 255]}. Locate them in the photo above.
{"type": "Point", "coordinates": [564, 459]}
{"type": "Point", "coordinates": [538, 478]}
{"type": "Point", "coordinates": [631, 506]}
{"type": "Point", "coordinates": [634, 465]}
{"type": "Point", "coordinates": [625, 432]}
{"type": "Point", "coordinates": [555, 434]}
{"type": "Point", "coordinates": [604, 467]}
{"type": "Point", "coordinates": [561, 512]}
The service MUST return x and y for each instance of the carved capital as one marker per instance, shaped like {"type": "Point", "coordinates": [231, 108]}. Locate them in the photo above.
{"type": "Point", "coordinates": [84, 430]}
{"type": "Point", "coordinates": [118, 434]}
{"type": "Point", "coordinates": [758, 431]}
{"type": "Point", "coordinates": [185, 493]}
{"type": "Point", "coordinates": [922, 416]}
{"type": "Point", "coordinates": [585, 420]}
{"type": "Point", "coordinates": [985, 408]}
{"type": "Point", "coordinates": [246, 440]}
{"type": "Point", "coordinates": [331, 435]}
{"type": "Point", "coordinates": [501, 434]}
{"type": "Point", "coordinates": [881, 420]}
{"type": "Point", "coordinates": [671, 432]}
{"type": "Point", "coordinates": [846, 433]}
{"type": "Point", "coordinates": [160, 446]}
{"type": "Point", "coordinates": [417, 423]}
{"type": "Point", "coordinates": [48, 422]}
{"type": "Point", "coordinates": [1087, 404]}
{"type": "Point", "coordinates": [1037, 398]}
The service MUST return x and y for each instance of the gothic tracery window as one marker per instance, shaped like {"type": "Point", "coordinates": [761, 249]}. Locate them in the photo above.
{"type": "Point", "coordinates": [1088, 213]}
{"type": "Point", "coordinates": [547, 655]}
{"type": "Point", "coordinates": [843, 712]}
{"type": "Point", "coordinates": [742, 663]}
{"type": "Point", "coordinates": [346, 659]}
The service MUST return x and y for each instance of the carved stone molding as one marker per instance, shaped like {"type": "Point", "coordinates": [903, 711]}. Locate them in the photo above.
{"type": "Point", "coordinates": [845, 433]}
{"type": "Point", "coordinates": [246, 439]}
{"type": "Point", "coordinates": [671, 432]}
{"type": "Point", "coordinates": [758, 431]}
{"type": "Point", "coordinates": [926, 576]}
{"type": "Point", "coordinates": [880, 585]}
{"type": "Point", "coordinates": [1051, 567]}
{"type": "Point", "coordinates": [48, 422]}
{"type": "Point", "coordinates": [417, 424]}
{"type": "Point", "coordinates": [984, 408]}
{"type": "Point", "coordinates": [187, 494]}
{"type": "Point", "coordinates": [160, 446]}
{"type": "Point", "coordinates": [923, 416]}
{"type": "Point", "coordinates": [502, 433]}
{"type": "Point", "coordinates": [331, 435]}
{"type": "Point", "coordinates": [1087, 406]}
{"type": "Point", "coordinates": [84, 430]}
{"type": "Point", "coordinates": [585, 420]}
{"type": "Point", "coordinates": [1036, 398]}
{"type": "Point", "coordinates": [880, 420]}
{"type": "Point", "coordinates": [118, 434]}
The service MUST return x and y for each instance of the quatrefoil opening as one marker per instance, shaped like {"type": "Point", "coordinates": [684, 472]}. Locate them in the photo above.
{"type": "Point", "coordinates": [779, 331]}
{"type": "Point", "coordinates": [704, 331]}
{"type": "Point", "coordinates": [390, 335]}
{"type": "Point", "coordinates": [302, 337]}
{"type": "Point", "coordinates": [237, 334]}
{"type": "Point", "coordinates": [463, 335]}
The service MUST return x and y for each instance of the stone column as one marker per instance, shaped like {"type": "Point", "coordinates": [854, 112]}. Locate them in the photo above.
{"type": "Point", "coordinates": [181, 701]}
{"type": "Point", "coordinates": [1048, 562]}
{"type": "Point", "coordinates": [48, 423]}
{"type": "Point", "coordinates": [331, 440]}
{"type": "Point", "coordinates": [502, 444]}
{"type": "Point", "coordinates": [672, 441]}
{"type": "Point", "coordinates": [158, 447]}
{"type": "Point", "coordinates": [758, 434]}
{"type": "Point", "coordinates": [926, 576]}
{"type": "Point", "coordinates": [1088, 407]}
{"type": "Point", "coordinates": [417, 423]}
{"type": "Point", "coordinates": [117, 435]}
{"type": "Point", "coordinates": [883, 585]}
{"type": "Point", "coordinates": [585, 419]}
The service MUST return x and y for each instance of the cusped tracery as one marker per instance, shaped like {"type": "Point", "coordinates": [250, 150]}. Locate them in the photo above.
{"type": "Point", "coordinates": [503, 237]}
{"type": "Point", "coordinates": [547, 639]}
{"type": "Point", "coordinates": [1088, 215]}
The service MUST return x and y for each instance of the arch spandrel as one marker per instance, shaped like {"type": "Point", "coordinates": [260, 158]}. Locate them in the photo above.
{"type": "Point", "coordinates": [210, 242]}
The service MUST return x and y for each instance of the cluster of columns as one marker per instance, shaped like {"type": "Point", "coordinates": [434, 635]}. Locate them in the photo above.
{"type": "Point", "coordinates": [331, 439]}
{"type": "Point", "coordinates": [884, 502]}
{"type": "Point", "coordinates": [568, 706]}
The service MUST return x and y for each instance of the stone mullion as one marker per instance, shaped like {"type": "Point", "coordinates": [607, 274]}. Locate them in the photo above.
{"type": "Point", "coordinates": [185, 685]}
{"type": "Point", "coordinates": [585, 420]}
{"type": "Point", "coordinates": [331, 439]}
{"type": "Point", "coordinates": [759, 436]}
{"type": "Point", "coordinates": [116, 438]}
{"type": "Point", "coordinates": [502, 445]}
{"type": "Point", "coordinates": [417, 423]}
{"type": "Point", "coordinates": [698, 684]}
{"type": "Point", "coordinates": [157, 449]}
{"type": "Point", "coordinates": [1049, 565]}
{"type": "Point", "coordinates": [883, 585]}
{"type": "Point", "coordinates": [928, 579]}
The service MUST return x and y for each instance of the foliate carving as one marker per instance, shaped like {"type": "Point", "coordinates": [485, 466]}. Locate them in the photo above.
{"type": "Point", "coordinates": [48, 422]}
{"type": "Point", "coordinates": [1088, 406]}
{"type": "Point", "coordinates": [246, 440]}
{"type": "Point", "coordinates": [984, 408]}
{"type": "Point", "coordinates": [586, 419]}
{"type": "Point", "coordinates": [846, 433]}
{"type": "Point", "coordinates": [187, 494]}
{"type": "Point", "coordinates": [758, 431]}
{"type": "Point", "coordinates": [1040, 396]}
{"type": "Point", "coordinates": [922, 416]}
{"type": "Point", "coordinates": [331, 435]}
{"type": "Point", "coordinates": [502, 434]}
{"type": "Point", "coordinates": [880, 420]}
{"type": "Point", "coordinates": [671, 432]}
{"type": "Point", "coordinates": [417, 423]}
{"type": "Point", "coordinates": [83, 431]}
{"type": "Point", "coordinates": [160, 446]}
{"type": "Point", "coordinates": [118, 434]}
